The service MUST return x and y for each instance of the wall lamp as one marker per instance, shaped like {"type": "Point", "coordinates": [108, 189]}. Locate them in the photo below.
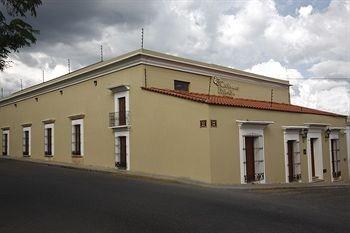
{"type": "Point", "coordinates": [304, 133]}
{"type": "Point", "coordinates": [327, 133]}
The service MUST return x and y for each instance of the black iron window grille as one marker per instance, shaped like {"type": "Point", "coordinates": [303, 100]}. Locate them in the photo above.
{"type": "Point", "coordinates": [119, 119]}
{"type": "Point", "coordinates": [76, 140]}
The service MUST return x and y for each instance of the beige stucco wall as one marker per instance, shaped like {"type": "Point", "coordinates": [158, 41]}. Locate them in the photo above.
{"type": "Point", "coordinates": [249, 89]}
{"type": "Point", "coordinates": [225, 143]}
{"type": "Point", "coordinates": [165, 137]}
{"type": "Point", "coordinates": [95, 102]}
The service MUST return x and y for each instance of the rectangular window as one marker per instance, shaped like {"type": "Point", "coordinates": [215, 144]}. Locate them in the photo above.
{"type": "Point", "coordinates": [336, 173]}
{"type": "Point", "coordinates": [26, 141]}
{"type": "Point", "coordinates": [5, 142]}
{"type": "Point", "coordinates": [122, 111]}
{"type": "Point", "coordinates": [77, 137]}
{"type": "Point", "coordinates": [49, 139]}
{"type": "Point", "coordinates": [181, 85]}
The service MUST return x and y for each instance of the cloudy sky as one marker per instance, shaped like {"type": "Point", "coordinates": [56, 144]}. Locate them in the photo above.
{"type": "Point", "coordinates": [304, 41]}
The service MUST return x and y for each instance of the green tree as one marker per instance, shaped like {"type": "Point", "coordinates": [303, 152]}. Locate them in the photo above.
{"type": "Point", "coordinates": [15, 33]}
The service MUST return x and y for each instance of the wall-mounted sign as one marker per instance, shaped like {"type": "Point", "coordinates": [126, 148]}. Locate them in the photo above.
{"type": "Point", "coordinates": [224, 87]}
{"type": "Point", "coordinates": [213, 123]}
{"type": "Point", "coordinates": [203, 123]}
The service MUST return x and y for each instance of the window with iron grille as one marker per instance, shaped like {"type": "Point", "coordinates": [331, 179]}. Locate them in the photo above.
{"type": "Point", "coordinates": [48, 140]}
{"type": "Point", "coordinates": [5, 142]}
{"type": "Point", "coordinates": [335, 158]}
{"type": "Point", "coordinates": [181, 85]}
{"type": "Point", "coordinates": [77, 137]}
{"type": "Point", "coordinates": [26, 142]}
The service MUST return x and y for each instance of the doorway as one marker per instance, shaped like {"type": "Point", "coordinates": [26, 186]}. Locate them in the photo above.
{"type": "Point", "coordinates": [336, 173]}
{"type": "Point", "coordinates": [293, 161]}
{"type": "Point", "coordinates": [312, 148]}
{"type": "Point", "coordinates": [121, 152]}
{"type": "Point", "coordinates": [250, 159]}
{"type": "Point", "coordinates": [290, 152]}
{"type": "Point", "coordinates": [122, 111]}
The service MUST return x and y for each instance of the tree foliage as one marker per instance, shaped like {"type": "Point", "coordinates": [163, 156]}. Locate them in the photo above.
{"type": "Point", "coordinates": [15, 33]}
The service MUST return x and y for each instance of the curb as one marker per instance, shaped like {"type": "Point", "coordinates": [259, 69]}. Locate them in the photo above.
{"type": "Point", "coordinates": [167, 179]}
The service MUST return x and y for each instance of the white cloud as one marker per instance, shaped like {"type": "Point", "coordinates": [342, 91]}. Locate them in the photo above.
{"type": "Point", "coordinates": [12, 76]}
{"type": "Point", "coordinates": [324, 94]}
{"type": "Point", "coordinates": [305, 11]}
{"type": "Point", "coordinates": [331, 69]}
{"type": "Point", "coordinates": [242, 34]}
{"type": "Point", "coordinates": [327, 95]}
{"type": "Point", "coordinates": [275, 69]}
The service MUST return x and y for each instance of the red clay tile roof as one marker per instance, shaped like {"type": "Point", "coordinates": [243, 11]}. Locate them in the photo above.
{"type": "Point", "coordinates": [238, 102]}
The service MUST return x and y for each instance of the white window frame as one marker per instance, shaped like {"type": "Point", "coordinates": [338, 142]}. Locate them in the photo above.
{"type": "Point", "coordinates": [333, 135]}
{"type": "Point", "coordinates": [52, 127]}
{"type": "Point", "coordinates": [29, 129]}
{"type": "Point", "coordinates": [116, 141]}
{"type": "Point", "coordinates": [81, 123]}
{"type": "Point", "coordinates": [347, 132]}
{"type": "Point", "coordinates": [252, 129]}
{"type": "Point", "coordinates": [291, 135]}
{"type": "Point", "coordinates": [7, 132]}
{"type": "Point", "coordinates": [120, 95]}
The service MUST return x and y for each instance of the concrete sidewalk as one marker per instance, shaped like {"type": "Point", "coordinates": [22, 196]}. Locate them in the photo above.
{"type": "Point", "coordinates": [140, 175]}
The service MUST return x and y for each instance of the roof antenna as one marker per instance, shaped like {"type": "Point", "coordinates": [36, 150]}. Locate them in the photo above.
{"type": "Point", "coordinates": [21, 85]}
{"type": "Point", "coordinates": [142, 38]}
{"type": "Point", "coordinates": [2, 92]}
{"type": "Point", "coordinates": [68, 60]}
{"type": "Point", "coordinates": [101, 53]}
{"type": "Point", "coordinates": [43, 76]}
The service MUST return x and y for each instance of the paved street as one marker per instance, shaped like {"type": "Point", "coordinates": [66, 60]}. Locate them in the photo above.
{"type": "Point", "coordinates": [41, 198]}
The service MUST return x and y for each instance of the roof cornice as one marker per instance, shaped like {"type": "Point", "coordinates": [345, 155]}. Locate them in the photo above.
{"type": "Point", "coordinates": [134, 58]}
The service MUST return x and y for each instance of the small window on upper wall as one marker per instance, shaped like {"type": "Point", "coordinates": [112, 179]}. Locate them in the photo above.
{"type": "Point", "coordinates": [181, 85]}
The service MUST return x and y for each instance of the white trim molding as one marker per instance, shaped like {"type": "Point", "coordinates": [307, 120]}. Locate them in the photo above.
{"type": "Point", "coordinates": [52, 127]}
{"type": "Point", "coordinates": [6, 132]}
{"type": "Point", "coordinates": [334, 134]}
{"type": "Point", "coordinates": [252, 129]}
{"type": "Point", "coordinates": [347, 132]}
{"type": "Point", "coordinates": [81, 123]}
{"type": "Point", "coordinates": [315, 133]}
{"type": "Point", "coordinates": [29, 129]}
{"type": "Point", "coordinates": [126, 134]}
{"type": "Point", "coordinates": [292, 133]}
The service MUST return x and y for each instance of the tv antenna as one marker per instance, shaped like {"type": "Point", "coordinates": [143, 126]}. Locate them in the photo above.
{"type": "Point", "coordinates": [101, 48]}
{"type": "Point", "coordinates": [142, 38]}
{"type": "Point", "coordinates": [68, 61]}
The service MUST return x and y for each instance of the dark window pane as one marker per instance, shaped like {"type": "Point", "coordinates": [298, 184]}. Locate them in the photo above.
{"type": "Point", "coordinates": [181, 85]}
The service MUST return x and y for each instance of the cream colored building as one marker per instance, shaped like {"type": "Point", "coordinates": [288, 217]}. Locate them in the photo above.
{"type": "Point", "coordinates": [154, 113]}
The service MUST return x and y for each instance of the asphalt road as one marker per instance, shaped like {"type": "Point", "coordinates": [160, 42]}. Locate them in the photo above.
{"type": "Point", "coordinates": [40, 198]}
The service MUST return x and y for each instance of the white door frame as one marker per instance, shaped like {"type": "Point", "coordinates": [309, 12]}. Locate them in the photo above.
{"type": "Point", "coordinates": [127, 135]}
{"type": "Point", "coordinates": [318, 155]}
{"type": "Point", "coordinates": [333, 135]}
{"type": "Point", "coordinates": [347, 131]}
{"type": "Point", "coordinates": [290, 135]}
{"type": "Point", "coordinates": [254, 129]}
